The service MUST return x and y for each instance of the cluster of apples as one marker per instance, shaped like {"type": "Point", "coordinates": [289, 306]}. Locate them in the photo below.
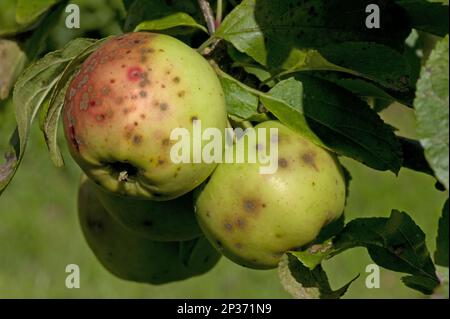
{"type": "Point", "coordinates": [152, 220]}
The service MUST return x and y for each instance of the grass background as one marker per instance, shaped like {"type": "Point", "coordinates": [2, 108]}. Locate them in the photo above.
{"type": "Point", "coordinates": [40, 235]}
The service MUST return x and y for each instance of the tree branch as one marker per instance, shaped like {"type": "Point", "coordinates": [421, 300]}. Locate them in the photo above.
{"type": "Point", "coordinates": [208, 15]}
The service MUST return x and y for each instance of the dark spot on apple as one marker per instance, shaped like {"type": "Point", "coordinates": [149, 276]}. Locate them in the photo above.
{"type": "Point", "coordinates": [143, 94]}
{"type": "Point", "coordinates": [112, 81]}
{"type": "Point", "coordinates": [163, 106]}
{"type": "Point", "coordinates": [309, 158]}
{"type": "Point", "coordinates": [136, 123]}
{"type": "Point", "coordinates": [176, 79]}
{"type": "Point", "coordinates": [100, 117]}
{"type": "Point", "coordinates": [161, 162]}
{"type": "Point", "coordinates": [282, 162]}
{"type": "Point", "coordinates": [238, 245]}
{"type": "Point", "coordinates": [165, 142]}
{"type": "Point", "coordinates": [228, 227]}
{"type": "Point", "coordinates": [137, 139]}
{"type": "Point", "coordinates": [251, 206]}
{"type": "Point", "coordinates": [181, 93]}
{"type": "Point", "coordinates": [240, 223]}
{"type": "Point", "coordinates": [142, 116]}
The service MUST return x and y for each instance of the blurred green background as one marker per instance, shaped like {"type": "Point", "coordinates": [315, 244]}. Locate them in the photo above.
{"type": "Point", "coordinates": [40, 235]}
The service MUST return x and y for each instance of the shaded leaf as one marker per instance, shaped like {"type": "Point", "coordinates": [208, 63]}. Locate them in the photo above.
{"type": "Point", "coordinates": [268, 30]}
{"type": "Point", "coordinates": [373, 61]}
{"type": "Point", "coordinates": [144, 10]}
{"type": "Point", "coordinates": [426, 16]}
{"type": "Point", "coordinates": [33, 88]}
{"type": "Point", "coordinates": [348, 126]}
{"type": "Point", "coordinates": [442, 240]}
{"type": "Point", "coordinates": [395, 243]}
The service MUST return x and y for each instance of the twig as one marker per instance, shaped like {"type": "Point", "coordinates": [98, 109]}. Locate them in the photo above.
{"type": "Point", "coordinates": [219, 13]}
{"type": "Point", "coordinates": [208, 15]}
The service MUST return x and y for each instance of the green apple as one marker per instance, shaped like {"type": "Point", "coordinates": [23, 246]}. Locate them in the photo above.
{"type": "Point", "coordinates": [254, 218]}
{"type": "Point", "coordinates": [136, 258]}
{"type": "Point", "coordinates": [124, 103]}
{"type": "Point", "coordinates": [172, 220]}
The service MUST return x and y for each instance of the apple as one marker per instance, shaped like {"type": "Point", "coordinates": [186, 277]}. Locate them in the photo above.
{"type": "Point", "coordinates": [133, 257]}
{"type": "Point", "coordinates": [172, 220]}
{"type": "Point", "coordinates": [123, 104]}
{"type": "Point", "coordinates": [254, 218]}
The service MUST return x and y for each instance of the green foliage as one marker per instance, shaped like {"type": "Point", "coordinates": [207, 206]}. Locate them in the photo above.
{"type": "Point", "coordinates": [308, 64]}
{"type": "Point", "coordinates": [34, 88]}
{"type": "Point", "coordinates": [442, 240]}
{"type": "Point", "coordinates": [395, 243]}
{"type": "Point", "coordinates": [307, 283]}
{"type": "Point", "coordinates": [432, 114]}
{"type": "Point", "coordinates": [176, 20]}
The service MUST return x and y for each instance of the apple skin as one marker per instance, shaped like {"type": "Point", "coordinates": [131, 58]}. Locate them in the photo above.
{"type": "Point", "coordinates": [136, 258]}
{"type": "Point", "coordinates": [254, 219]}
{"type": "Point", "coordinates": [122, 105]}
{"type": "Point", "coordinates": [172, 220]}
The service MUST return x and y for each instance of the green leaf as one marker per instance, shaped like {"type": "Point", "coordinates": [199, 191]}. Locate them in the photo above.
{"type": "Point", "coordinates": [175, 20]}
{"type": "Point", "coordinates": [144, 10]}
{"type": "Point", "coordinates": [373, 61]}
{"type": "Point", "coordinates": [243, 101]}
{"type": "Point", "coordinates": [442, 240]}
{"type": "Point", "coordinates": [28, 11]}
{"type": "Point", "coordinates": [240, 101]}
{"type": "Point", "coordinates": [33, 88]}
{"type": "Point", "coordinates": [426, 16]}
{"type": "Point", "coordinates": [414, 157]}
{"type": "Point", "coordinates": [314, 255]}
{"type": "Point", "coordinates": [395, 243]}
{"type": "Point", "coordinates": [13, 61]}
{"type": "Point", "coordinates": [348, 126]}
{"type": "Point", "coordinates": [268, 30]}
{"type": "Point", "coordinates": [431, 105]}
{"type": "Point", "coordinates": [304, 283]}
{"type": "Point", "coordinates": [52, 110]}
{"type": "Point", "coordinates": [285, 101]}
